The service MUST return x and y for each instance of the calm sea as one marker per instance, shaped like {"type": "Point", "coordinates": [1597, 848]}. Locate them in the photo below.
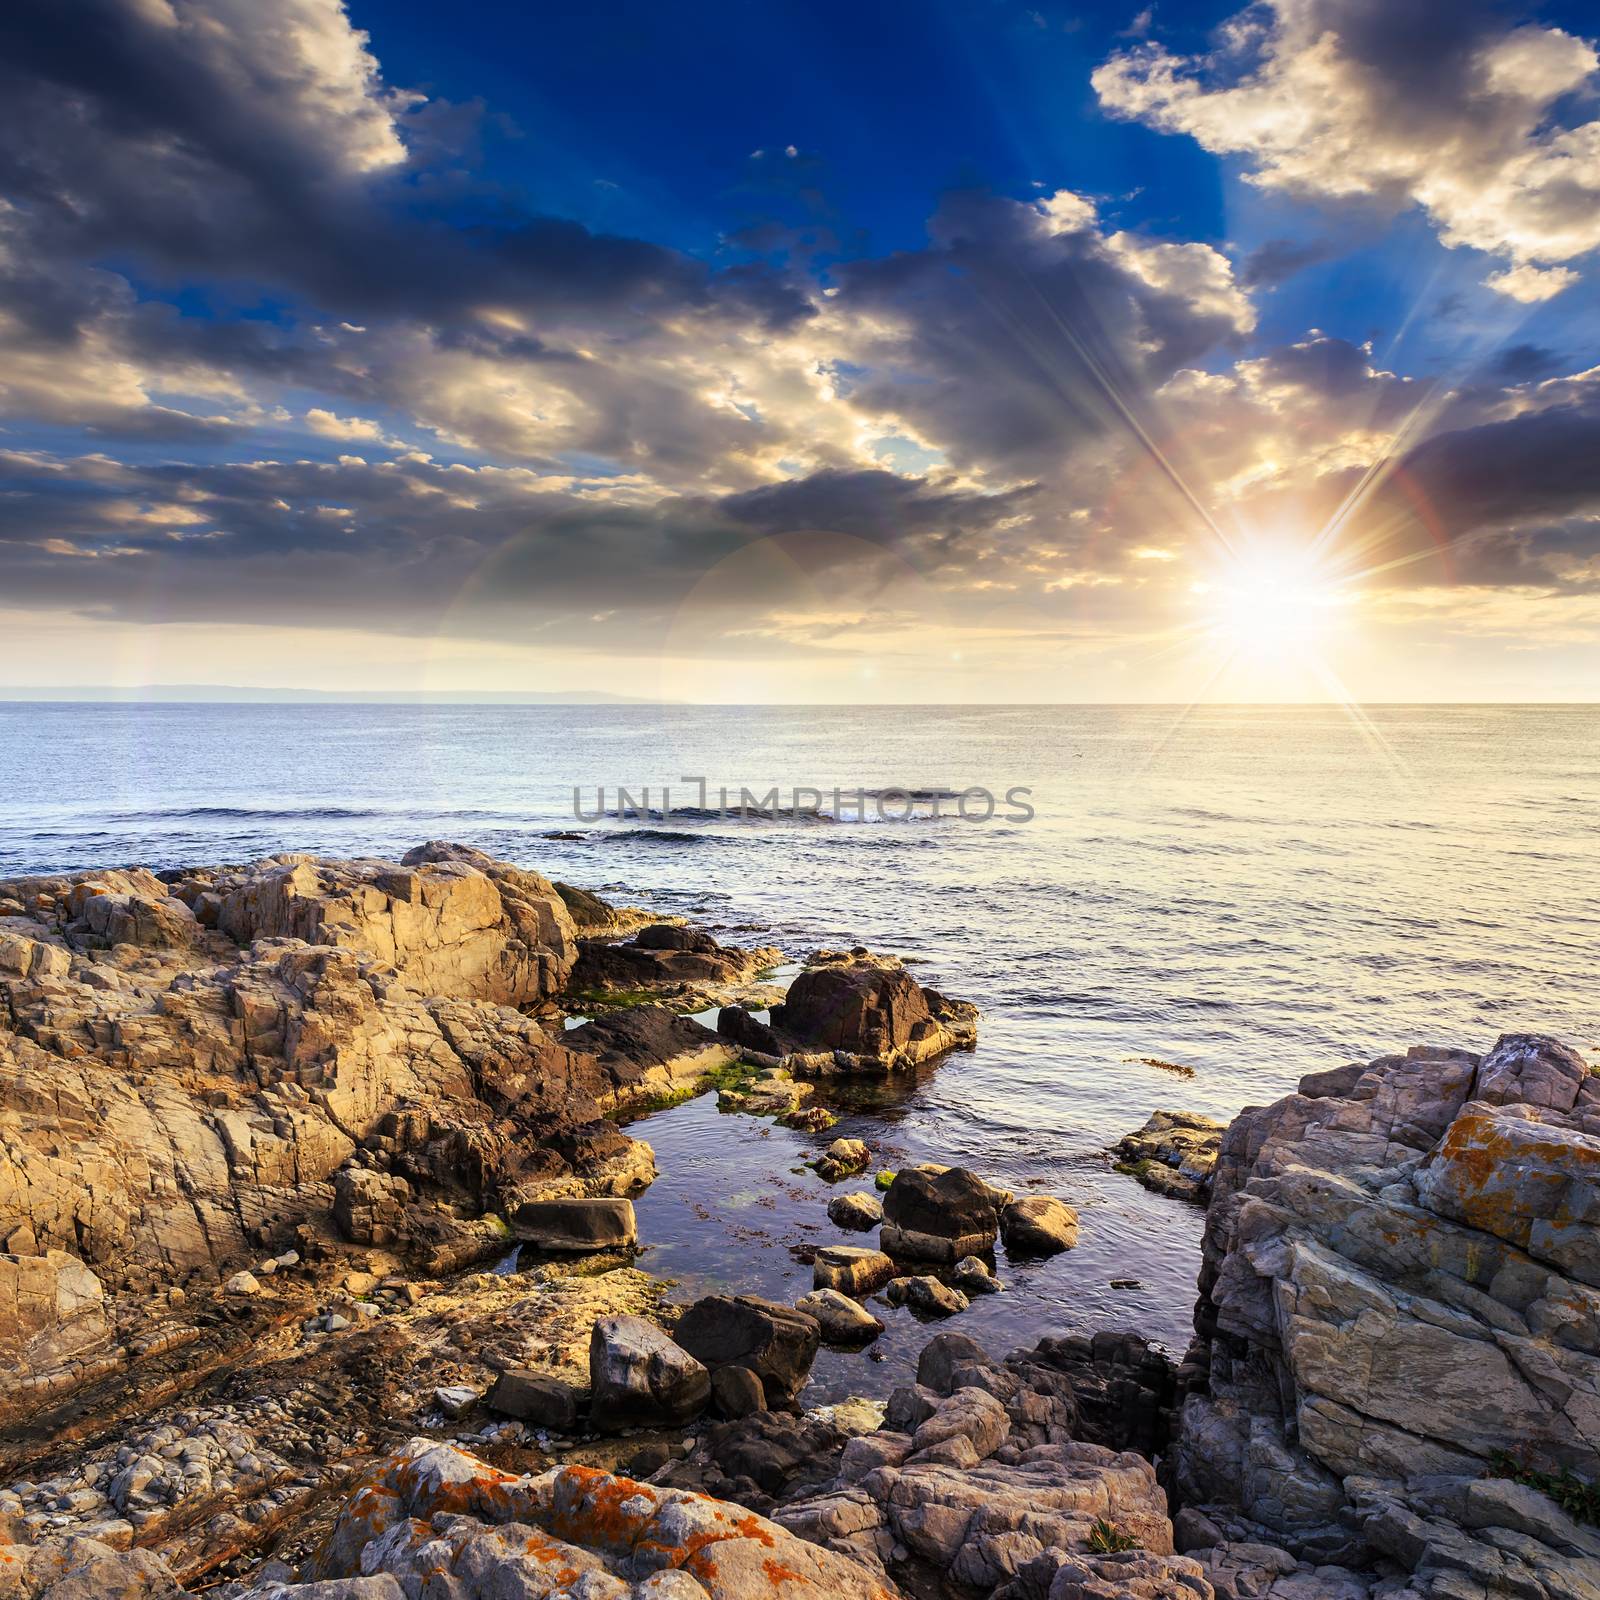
{"type": "Point", "coordinates": [1253, 893]}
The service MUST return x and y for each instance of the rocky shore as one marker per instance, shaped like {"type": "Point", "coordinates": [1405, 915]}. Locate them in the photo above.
{"type": "Point", "coordinates": [270, 1133]}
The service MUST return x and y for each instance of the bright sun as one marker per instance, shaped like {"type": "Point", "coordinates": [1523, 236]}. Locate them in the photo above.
{"type": "Point", "coordinates": [1271, 609]}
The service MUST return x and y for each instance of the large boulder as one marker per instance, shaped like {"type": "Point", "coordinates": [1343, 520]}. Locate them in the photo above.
{"type": "Point", "coordinates": [934, 1215]}
{"type": "Point", "coordinates": [1399, 1293]}
{"type": "Point", "coordinates": [576, 1226]}
{"type": "Point", "coordinates": [851, 1269]}
{"type": "Point", "coordinates": [870, 1013]}
{"type": "Point", "coordinates": [776, 1342]}
{"type": "Point", "coordinates": [439, 1521]}
{"type": "Point", "coordinates": [1038, 1225]}
{"type": "Point", "coordinates": [639, 1378]}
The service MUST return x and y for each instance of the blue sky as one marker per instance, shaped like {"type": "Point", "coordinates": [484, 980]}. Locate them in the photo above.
{"type": "Point", "coordinates": [803, 351]}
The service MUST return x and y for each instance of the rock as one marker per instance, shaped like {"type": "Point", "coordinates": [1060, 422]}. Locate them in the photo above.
{"type": "Point", "coordinates": [737, 1392]}
{"type": "Point", "coordinates": [73, 1567]}
{"type": "Point", "coordinates": [1038, 1224]}
{"type": "Point", "coordinates": [434, 1510]}
{"type": "Point", "coordinates": [535, 1398]}
{"type": "Point", "coordinates": [843, 1321]}
{"type": "Point", "coordinates": [369, 1207]}
{"type": "Point", "coordinates": [871, 1011]}
{"type": "Point", "coordinates": [843, 1159]}
{"type": "Point", "coordinates": [242, 1283]}
{"type": "Point", "coordinates": [971, 1275]}
{"type": "Point", "coordinates": [981, 1490]}
{"type": "Point", "coordinates": [851, 1269]}
{"type": "Point", "coordinates": [1174, 1153]}
{"type": "Point", "coordinates": [927, 1295]}
{"type": "Point", "coordinates": [53, 1315]}
{"type": "Point", "coordinates": [939, 1216]}
{"type": "Point", "coordinates": [735, 1023]}
{"type": "Point", "coordinates": [774, 1341]}
{"type": "Point", "coordinates": [639, 1377]}
{"type": "Point", "coordinates": [455, 1399]}
{"type": "Point", "coordinates": [1399, 1283]}
{"type": "Point", "coordinates": [317, 1036]}
{"type": "Point", "coordinates": [859, 1212]}
{"type": "Point", "coordinates": [576, 1225]}
{"type": "Point", "coordinates": [666, 956]}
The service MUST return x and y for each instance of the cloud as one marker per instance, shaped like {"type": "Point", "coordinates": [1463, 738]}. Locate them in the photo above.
{"type": "Point", "coordinates": [1398, 104]}
{"type": "Point", "coordinates": [1024, 332]}
{"type": "Point", "coordinates": [332, 427]}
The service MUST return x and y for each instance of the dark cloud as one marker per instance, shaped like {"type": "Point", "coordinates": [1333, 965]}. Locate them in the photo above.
{"type": "Point", "coordinates": [386, 545]}
{"type": "Point", "coordinates": [1278, 260]}
{"type": "Point", "coordinates": [1014, 338]}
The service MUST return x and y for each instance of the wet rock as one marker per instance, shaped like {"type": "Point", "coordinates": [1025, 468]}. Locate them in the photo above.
{"type": "Point", "coordinates": [926, 1295]}
{"type": "Point", "coordinates": [1174, 1153]}
{"type": "Point", "coordinates": [748, 1032]}
{"type": "Point", "coordinates": [851, 1269]}
{"type": "Point", "coordinates": [576, 1225]}
{"type": "Point", "coordinates": [972, 1276]}
{"type": "Point", "coordinates": [639, 1377]}
{"type": "Point", "coordinates": [776, 1342]}
{"type": "Point", "coordinates": [843, 1321]}
{"type": "Point", "coordinates": [872, 1012]}
{"type": "Point", "coordinates": [535, 1398]}
{"type": "Point", "coordinates": [856, 1211]}
{"type": "Point", "coordinates": [843, 1159]}
{"type": "Point", "coordinates": [1038, 1225]}
{"type": "Point", "coordinates": [939, 1215]}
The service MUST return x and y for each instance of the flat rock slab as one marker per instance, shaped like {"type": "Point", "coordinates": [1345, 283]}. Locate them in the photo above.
{"type": "Point", "coordinates": [578, 1225]}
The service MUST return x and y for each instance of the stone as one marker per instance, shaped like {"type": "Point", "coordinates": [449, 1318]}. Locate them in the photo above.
{"type": "Point", "coordinates": [851, 1269]}
{"type": "Point", "coordinates": [737, 1392]}
{"type": "Point", "coordinates": [577, 1225]}
{"type": "Point", "coordinates": [535, 1398]}
{"type": "Point", "coordinates": [432, 1509]}
{"type": "Point", "coordinates": [926, 1295]}
{"type": "Point", "coordinates": [1038, 1225]}
{"type": "Point", "coordinates": [242, 1283]}
{"type": "Point", "coordinates": [455, 1399]}
{"type": "Point", "coordinates": [859, 1212]}
{"type": "Point", "coordinates": [844, 1158]}
{"type": "Point", "coordinates": [843, 1321]}
{"type": "Point", "coordinates": [776, 1342]}
{"type": "Point", "coordinates": [638, 1377]}
{"type": "Point", "coordinates": [972, 1276]}
{"type": "Point", "coordinates": [871, 1010]}
{"type": "Point", "coordinates": [939, 1216]}
{"type": "Point", "coordinates": [1174, 1153]}
{"type": "Point", "coordinates": [1399, 1286]}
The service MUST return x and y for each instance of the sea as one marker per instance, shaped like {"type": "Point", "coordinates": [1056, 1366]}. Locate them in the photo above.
{"type": "Point", "coordinates": [1247, 893]}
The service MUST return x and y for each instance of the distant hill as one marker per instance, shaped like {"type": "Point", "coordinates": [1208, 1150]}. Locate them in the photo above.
{"type": "Point", "coordinates": [232, 694]}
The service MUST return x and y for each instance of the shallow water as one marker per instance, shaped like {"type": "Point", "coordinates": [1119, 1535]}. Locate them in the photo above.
{"type": "Point", "coordinates": [1253, 892]}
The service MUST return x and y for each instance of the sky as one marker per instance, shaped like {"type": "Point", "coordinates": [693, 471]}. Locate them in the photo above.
{"type": "Point", "coordinates": [903, 350]}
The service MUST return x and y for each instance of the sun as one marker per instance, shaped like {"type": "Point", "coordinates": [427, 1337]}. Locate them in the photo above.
{"type": "Point", "coordinates": [1273, 608]}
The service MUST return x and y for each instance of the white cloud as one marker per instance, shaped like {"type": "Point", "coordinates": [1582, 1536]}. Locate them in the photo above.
{"type": "Point", "coordinates": [1310, 99]}
{"type": "Point", "coordinates": [334, 427]}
